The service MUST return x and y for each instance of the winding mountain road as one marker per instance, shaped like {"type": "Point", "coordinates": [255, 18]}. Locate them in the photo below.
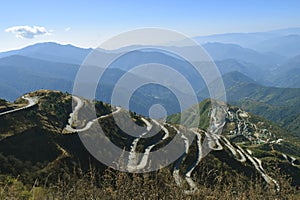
{"type": "Point", "coordinates": [88, 125]}
{"type": "Point", "coordinates": [132, 158]}
{"type": "Point", "coordinates": [144, 160]}
{"type": "Point", "coordinates": [31, 102]}
{"type": "Point", "coordinates": [215, 142]}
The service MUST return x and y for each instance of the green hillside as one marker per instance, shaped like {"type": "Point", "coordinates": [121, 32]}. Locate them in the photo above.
{"type": "Point", "coordinates": [36, 148]}
{"type": "Point", "coordinates": [280, 105]}
{"type": "Point", "coordinates": [252, 132]}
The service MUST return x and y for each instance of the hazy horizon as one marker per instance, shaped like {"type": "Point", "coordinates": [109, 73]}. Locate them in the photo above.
{"type": "Point", "coordinates": [88, 24]}
{"type": "Point", "coordinates": [93, 47]}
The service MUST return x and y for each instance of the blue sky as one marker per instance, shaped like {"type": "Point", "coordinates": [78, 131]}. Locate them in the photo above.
{"type": "Point", "coordinates": [88, 23]}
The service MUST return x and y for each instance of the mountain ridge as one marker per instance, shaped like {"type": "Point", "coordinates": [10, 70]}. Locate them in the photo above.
{"type": "Point", "coordinates": [52, 51]}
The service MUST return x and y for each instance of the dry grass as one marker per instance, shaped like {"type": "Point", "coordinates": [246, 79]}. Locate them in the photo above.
{"type": "Point", "coordinates": [119, 185]}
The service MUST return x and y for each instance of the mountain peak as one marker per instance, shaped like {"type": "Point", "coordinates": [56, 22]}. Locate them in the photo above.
{"type": "Point", "coordinates": [51, 44]}
{"type": "Point", "coordinates": [52, 51]}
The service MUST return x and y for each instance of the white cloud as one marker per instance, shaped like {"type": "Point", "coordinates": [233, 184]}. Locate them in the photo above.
{"type": "Point", "coordinates": [27, 31]}
{"type": "Point", "coordinates": [67, 29]}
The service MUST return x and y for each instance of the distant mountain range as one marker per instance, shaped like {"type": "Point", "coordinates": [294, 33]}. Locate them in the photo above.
{"type": "Point", "coordinates": [51, 51]}
{"type": "Point", "coordinates": [221, 51]}
{"type": "Point", "coordinates": [247, 39]}
{"type": "Point", "coordinates": [250, 72]}
{"type": "Point", "coordinates": [45, 64]}
{"type": "Point", "coordinates": [265, 68]}
{"type": "Point", "coordinates": [284, 42]}
{"type": "Point", "coordinates": [287, 74]}
{"type": "Point", "coordinates": [264, 64]}
{"type": "Point", "coordinates": [20, 74]}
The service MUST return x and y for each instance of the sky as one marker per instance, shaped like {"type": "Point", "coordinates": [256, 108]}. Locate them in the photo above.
{"type": "Point", "coordinates": [87, 23]}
